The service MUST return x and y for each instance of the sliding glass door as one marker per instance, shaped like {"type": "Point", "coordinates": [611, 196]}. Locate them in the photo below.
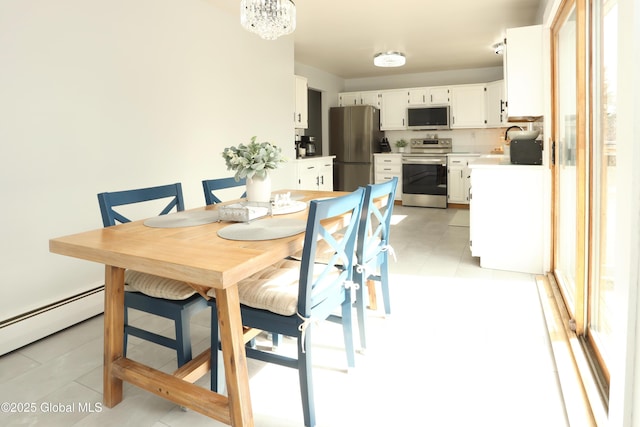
{"type": "Point", "coordinates": [566, 168]}
{"type": "Point", "coordinates": [601, 281]}
{"type": "Point", "coordinates": [584, 58]}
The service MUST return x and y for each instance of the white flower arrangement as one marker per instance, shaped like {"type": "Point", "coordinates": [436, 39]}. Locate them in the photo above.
{"type": "Point", "coordinates": [254, 159]}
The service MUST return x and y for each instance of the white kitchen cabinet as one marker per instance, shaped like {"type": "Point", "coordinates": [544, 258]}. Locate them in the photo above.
{"type": "Point", "coordinates": [429, 96]}
{"type": "Point", "coordinates": [496, 104]}
{"type": "Point", "coordinates": [325, 175]}
{"type": "Point", "coordinates": [468, 106]}
{"type": "Point", "coordinates": [393, 111]}
{"type": "Point", "coordinates": [359, 98]}
{"type": "Point", "coordinates": [507, 215]}
{"type": "Point", "coordinates": [301, 115]}
{"type": "Point", "coordinates": [439, 95]}
{"type": "Point", "coordinates": [418, 96]}
{"type": "Point", "coordinates": [346, 99]}
{"type": "Point", "coordinates": [458, 178]}
{"type": "Point", "coordinates": [370, 98]}
{"type": "Point", "coordinates": [315, 173]}
{"type": "Point", "coordinates": [523, 70]}
{"type": "Point", "coordinates": [386, 166]}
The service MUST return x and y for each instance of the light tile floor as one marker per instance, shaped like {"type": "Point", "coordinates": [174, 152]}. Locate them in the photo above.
{"type": "Point", "coordinates": [464, 346]}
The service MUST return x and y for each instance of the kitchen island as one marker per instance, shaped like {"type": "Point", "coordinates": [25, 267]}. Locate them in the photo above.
{"type": "Point", "coordinates": [509, 220]}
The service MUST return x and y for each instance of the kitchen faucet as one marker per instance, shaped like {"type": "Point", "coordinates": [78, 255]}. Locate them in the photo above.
{"type": "Point", "coordinates": [509, 128]}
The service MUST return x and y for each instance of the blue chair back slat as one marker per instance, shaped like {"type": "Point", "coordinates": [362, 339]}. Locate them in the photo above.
{"type": "Point", "coordinates": [314, 291]}
{"type": "Point", "coordinates": [109, 200]}
{"type": "Point", "coordinates": [211, 185]}
{"type": "Point", "coordinates": [375, 223]}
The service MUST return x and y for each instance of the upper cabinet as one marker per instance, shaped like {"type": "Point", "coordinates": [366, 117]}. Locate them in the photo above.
{"type": "Point", "coordinates": [478, 105]}
{"type": "Point", "coordinates": [393, 112]}
{"type": "Point", "coordinates": [523, 73]}
{"type": "Point", "coordinates": [439, 95]}
{"type": "Point", "coordinates": [359, 98]}
{"type": "Point", "coordinates": [429, 96]}
{"type": "Point", "coordinates": [417, 96]}
{"type": "Point", "coordinates": [496, 104]}
{"type": "Point", "coordinates": [301, 114]}
{"type": "Point", "coordinates": [468, 106]}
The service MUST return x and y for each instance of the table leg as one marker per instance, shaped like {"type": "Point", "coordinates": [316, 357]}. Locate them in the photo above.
{"type": "Point", "coordinates": [113, 332]}
{"type": "Point", "coordinates": [234, 356]}
{"type": "Point", "coordinates": [373, 300]}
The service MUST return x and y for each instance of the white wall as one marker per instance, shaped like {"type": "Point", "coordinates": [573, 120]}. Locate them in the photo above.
{"type": "Point", "coordinates": [434, 78]}
{"type": "Point", "coordinates": [108, 95]}
{"type": "Point", "coordinates": [329, 85]}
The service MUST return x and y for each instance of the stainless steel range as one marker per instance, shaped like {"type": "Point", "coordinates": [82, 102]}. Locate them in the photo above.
{"type": "Point", "coordinates": [424, 173]}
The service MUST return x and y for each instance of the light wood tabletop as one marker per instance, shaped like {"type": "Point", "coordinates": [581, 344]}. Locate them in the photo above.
{"type": "Point", "coordinates": [195, 255]}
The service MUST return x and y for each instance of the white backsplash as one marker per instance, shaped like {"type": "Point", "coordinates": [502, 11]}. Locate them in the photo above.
{"type": "Point", "coordinates": [481, 141]}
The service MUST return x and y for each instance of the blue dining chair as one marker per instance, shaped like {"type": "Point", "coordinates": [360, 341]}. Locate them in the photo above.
{"type": "Point", "coordinates": [160, 296]}
{"type": "Point", "coordinates": [211, 185]}
{"type": "Point", "coordinates": [372, 248]}
{"type": "Point", "coordinates": [290, 296]}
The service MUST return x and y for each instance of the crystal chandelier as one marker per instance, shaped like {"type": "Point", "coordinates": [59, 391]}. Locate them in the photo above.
{"type": "Point", "coordinates": [269, 19]}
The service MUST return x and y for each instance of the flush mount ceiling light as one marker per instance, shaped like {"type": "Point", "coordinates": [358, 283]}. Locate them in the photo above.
{"type": "Point", "coordinates": [269, 19]}
{"type": "Point", "coordinates": [389, 59]}
{"type": "Point", "coordinates": [498, 48]}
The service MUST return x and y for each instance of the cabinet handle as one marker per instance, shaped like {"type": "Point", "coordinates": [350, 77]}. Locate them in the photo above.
{"type": "Point", "coordinates": [431, 98]}
{"type": "Point", "coordinates": [322, 180]}
{"type": "Point", "coordinates": [299, 117]}
{"type": "Point", "coordinates": [387, 169]}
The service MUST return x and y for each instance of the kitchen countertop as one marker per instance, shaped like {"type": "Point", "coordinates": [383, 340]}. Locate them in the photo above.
{"type": "Point", "coordinates": [310, 158]}
{"type": "Point", "coordinates": [502, 161]}
{"type": "Point", "coordinates": [460, 154]}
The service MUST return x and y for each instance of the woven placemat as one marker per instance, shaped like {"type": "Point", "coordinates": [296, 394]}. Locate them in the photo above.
{"type": "Point", "coordinates": [183, 219]}
{"type": "Point", "coordinates": [263, 229]}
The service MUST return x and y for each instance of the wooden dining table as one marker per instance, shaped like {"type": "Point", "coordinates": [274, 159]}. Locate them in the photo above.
{"type": "Point", "coordinates": [199, 257]}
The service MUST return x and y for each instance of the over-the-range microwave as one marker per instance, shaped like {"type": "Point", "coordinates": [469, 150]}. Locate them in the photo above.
{"type": "Point", "coordinates": [428, 118]}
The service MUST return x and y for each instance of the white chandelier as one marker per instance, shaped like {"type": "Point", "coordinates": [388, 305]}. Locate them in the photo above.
{"type": "Point", "coordinates": [269, 19]}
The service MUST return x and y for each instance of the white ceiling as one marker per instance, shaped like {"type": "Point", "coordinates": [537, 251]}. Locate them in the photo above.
{"type": "Point", "coordinates": [342, 36]}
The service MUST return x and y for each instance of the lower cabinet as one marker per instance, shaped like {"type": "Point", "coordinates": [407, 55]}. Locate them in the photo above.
{"type": "Point", "coordinates": [315, 173]}
{"type": "Point", "coordinates": [386, 166]}
{"type": "Point", "coordinates": [507, 217]}
{"type": "Point", "coordinates": [458, 178]}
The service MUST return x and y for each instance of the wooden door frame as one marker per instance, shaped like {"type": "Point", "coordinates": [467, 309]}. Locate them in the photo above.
{"type": "Point", "coordinates": [582, 132]}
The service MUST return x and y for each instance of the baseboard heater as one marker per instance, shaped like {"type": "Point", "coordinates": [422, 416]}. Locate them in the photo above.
{"type": "Point", "coordinates": [44, 321]}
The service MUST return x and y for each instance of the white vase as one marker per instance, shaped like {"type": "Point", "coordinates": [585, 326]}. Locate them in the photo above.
{"type": "Point", "coordinates": [259, 189]}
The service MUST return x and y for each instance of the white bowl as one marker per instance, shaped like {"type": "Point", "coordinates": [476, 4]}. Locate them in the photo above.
{"type": "Point", "coordinates": [522, 134]}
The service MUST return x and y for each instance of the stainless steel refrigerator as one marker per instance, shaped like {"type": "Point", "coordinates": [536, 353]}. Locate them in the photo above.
{"type": "Point", "coordinates": [354, 135]}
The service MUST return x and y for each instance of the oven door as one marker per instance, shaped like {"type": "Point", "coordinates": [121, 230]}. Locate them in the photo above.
{"type": "Point", "coordinates": [424, 181]}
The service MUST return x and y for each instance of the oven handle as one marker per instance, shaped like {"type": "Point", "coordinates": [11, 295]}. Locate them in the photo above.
{"type": "Point", "coordinates": [423, 161]}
